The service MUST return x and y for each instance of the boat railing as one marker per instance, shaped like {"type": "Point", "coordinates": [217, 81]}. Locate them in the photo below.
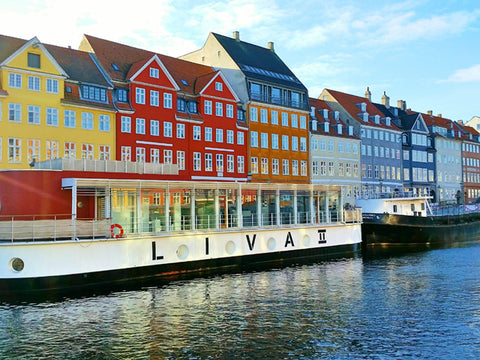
{"type": "Point", "coordinates": [389, 195]}
{"type": "Point", "coordinates": [52, 227]}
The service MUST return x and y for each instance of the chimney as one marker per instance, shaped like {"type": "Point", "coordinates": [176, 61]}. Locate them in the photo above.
{"type": "Point", "coordinates": [430, 112]}
{"type": "Point", "coordinates": [385, 100]}
{"type": "Point", "coordinates": [368, 94]}
{"type": "Point", "coordinates": [270, 46]}
{"type": "Point", "coordinates": [402, 105]}
{"type": "Point", "coordinates": [439, 115]}
{"type": "Point", "coordinates": [236, 35]}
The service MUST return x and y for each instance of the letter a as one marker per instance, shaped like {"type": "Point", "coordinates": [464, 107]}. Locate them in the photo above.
{"type": "Point", "coordinates": [289, 240]}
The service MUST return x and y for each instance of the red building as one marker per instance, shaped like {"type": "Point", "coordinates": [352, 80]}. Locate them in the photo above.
{"type": "Point", "coordinates": [173, 111]}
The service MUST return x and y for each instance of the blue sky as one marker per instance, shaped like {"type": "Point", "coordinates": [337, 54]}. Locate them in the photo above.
{"type": "Point", "coordinates": [426, 52]}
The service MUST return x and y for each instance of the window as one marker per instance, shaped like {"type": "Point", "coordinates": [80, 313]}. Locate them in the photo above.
{"type": "Point", "coordinates": [219, 136]}
{"type": "Point", "coordinates": [330, 145]}
{"type": "Point", "coordinates": [240, 164]}
{"type": "Point", "coordinates": [167, 101]}
{"type": "Point", "coordinates": [275, 141]}
{"type": "Point", "coordinates": [94, 93]}
{"type": "Point", "coordinates": [275, 167]}
{"type": "Point", "coordinates": [303, 144]}
{"type": "Point", "coordinates": [154, 98]}
{"type": "Point", "coordinates": [274, 119]}
{"type": "Point", "coordinates": [14, 150]}
{"type": "Point", "coordinates": [314, 167]}
{"type": "Point", "coordinates": [33, 60]}
{"type": "Point", "coordinates": [192, 107]}
{"type": "Point", "coordinates": [314, 144]}
{"type": "Point", "coordinates": [69, 150]}
{"type": "Point", "coordinates": [284, 142]}
{"type": "Point", "coordinates": [167, 156]}
{"type": "Point", "coordinates": [323, 168]}
{"type": "Point", "coordinates": [340, 146]}
{"type": "Point", "coordinates": [140, 126]}
{"type": "Point", "coordinates": [180, 131]}
{"type": "Point", "coordinates": [140, 155]}
{"type": "Point", "coordinates": [303, 122]}
{"type": "Point", "coordinates": [197, 133]}
{"type": "Point", "coordinates": [140, 96]}
{"type": "Point", "coordinates": [104, 122]}
{"type": "Point", "coordinates": [69, 119]}
{"type": "Point", "coordinates": [52, 86]}
{"type": "Point", "coordinates": [14, 112]}
{"type": "Point", "coordinates": [33, 114]}
{"type": "Point", "coordinates": [219, 109]}
{"type": "Point", "coordinates": [284, 119]}
{"type": "Point", "coordinates": [154, 73]}
{"type": "Point", "coordinates": [230, 137]}
{"type": "Point", "coordinates": [230, 163]}
{"type": "Point", "coordinates": [264, 140]}
{"type": "Point", "coordinates": [229, 111]}
{"type": "Point", "coordinates": [207, 104]}
{"type": "Point", "coordinates": [254, 139]}
{"type": "Point", "coordinates": [219, 163]}
{"type": "Point", "coordinates": [33, 150]}
{"type": "Point", "coordinates": [126, 124]}
{"type": "Point", "coordinates": [254, 165]}
{"type": "Point", "coordinates": [52, 149]}
{"type": "Point", "coordinates": [15, 81]}
{"type": "Point", "coordinates": [121, 95]}
{"type": "Point", "coordinates": [294, 121]}
{"type": "Point", "coordinates": [240, 138]}
{"type": "Point", "coordinates": [218, 86]}
{"type": "Point", "coordinates": [208, 134]}
{"type": "Point", "coordinates": [323, 145]}
{"type": "Point", "coordinates": [104, 153]}
{"type": "Point", "coordinates": [285, 167]}
{"type": "Point", "coordinates": [52, 116]}
{"type": "Point", "coordinates": [331, 170]}
{"type": "Point", "coordinates": [295, 167]}
{"type": "Point", "coordinates": [167, 129]}
{"type": "Point", "coordinates": [294, 143]}
{"type": "Point", "coordinates": [253, 114]}
{"type": "Point", "coordinates": [264, 116]}
{"type": "Point", "coordinates": [154, 127]}
{"type": "Point", "coordinates": [126, 153]}
{"type": "Point", "coordinates": [155, 156]}
{"type": "Point", "coordinates": [264, 165]}
{"type": "Point", "coordinates": [181, 160]}
{"type": "Point", "coordinates": [208, 162]}
{"type": "Point", "coordinates": [197, 161]}
{"type": "Point", "coordinates": [34, 83]}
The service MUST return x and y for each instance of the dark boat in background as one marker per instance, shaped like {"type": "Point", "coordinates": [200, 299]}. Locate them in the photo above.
{"type": "Point", "coordinates": [408, 219]}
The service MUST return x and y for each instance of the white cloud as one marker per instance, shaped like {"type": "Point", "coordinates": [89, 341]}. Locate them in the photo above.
{"type": "Point", "coordinates": [471, 74]}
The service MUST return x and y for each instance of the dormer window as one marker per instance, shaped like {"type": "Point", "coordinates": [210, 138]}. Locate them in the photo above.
{"type": "Point", "coordinates": [181, 105]}
{"type": "Point", "coordinates": [388, 121]}
{"type": "Point", "coordinates": [362, 106]}
{"type": "Point", "coordinates": [339, 128]}
{"type": "Point", "coordinates": [122, 95]}
{"type": "Point", "coordinates": [93, 93]}
{"type": "Point", "coordinates": [326, 127]}
{"type": "Point", "coordinates": [154, 73]}
{"type": "Point", "coordinates": [336, 115]}
{"type": "Point", "coordinates": [325, 113]}
{"type": "Point", "coordinates": [376, 118]}
{"type": "Point", "coordinates": [314, 125]}
{"type": "Point", "coordinates": [365, 117]}
{"type": "Point", "coordinates": [312, 111]}
{"type": "Point", "coordinates": [193, 107]}
{"type": "Point", "coordinates": [350, 130]}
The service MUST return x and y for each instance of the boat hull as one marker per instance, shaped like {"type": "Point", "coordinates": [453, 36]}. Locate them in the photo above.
{"type": "Point", "coordinates": [399, 229]}
{"type": "Point", "coordinates": [73, 265]}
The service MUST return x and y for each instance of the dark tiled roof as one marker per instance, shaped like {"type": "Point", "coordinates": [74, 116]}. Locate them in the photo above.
{"type": "Point", "coordinates": [78, 65]}
{"type": "Point", "coordinates": [260, 63]}
{"type": "Point", "coordinates": [390, 110]}
{"type": "Point", "coordinates": [407, 121]}
{"type": "Point", "coordinates": [129, 59]}
{"type": "Point", "coordinates": [8, 45]}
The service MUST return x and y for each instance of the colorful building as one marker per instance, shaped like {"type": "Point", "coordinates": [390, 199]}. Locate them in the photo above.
{"type": "Point", "coordinates": [275, 101]}
{"type": "Point", "coordinates": [334, 151]}
{"type": "Point", "coordinates": [54, 104]}
{"type": "Point", "coordinates": [173, 111]}
{"type": "Point", "coordinates": [470, 163]}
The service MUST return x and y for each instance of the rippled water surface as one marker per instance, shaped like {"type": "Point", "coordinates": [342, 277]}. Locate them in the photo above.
{"type": "Point", "coordinates": [409, 305]}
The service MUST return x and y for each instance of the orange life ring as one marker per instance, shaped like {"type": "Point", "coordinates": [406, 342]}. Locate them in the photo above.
{"type": "Point", "coordinates": [112, 231]}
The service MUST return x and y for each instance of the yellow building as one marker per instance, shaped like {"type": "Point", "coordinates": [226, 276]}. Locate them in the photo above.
{"type": "Point", "coordinates": [48, 109]}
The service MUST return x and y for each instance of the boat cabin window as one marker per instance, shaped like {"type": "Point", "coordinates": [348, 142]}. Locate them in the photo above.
{"type": "Point", "coordinates": [412, 206]}
{"type": "Point", "coordinates": [395, 208]}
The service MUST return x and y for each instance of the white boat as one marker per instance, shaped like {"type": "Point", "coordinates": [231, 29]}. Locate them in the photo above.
{"type": "Point", "coordinates": [146, 229]}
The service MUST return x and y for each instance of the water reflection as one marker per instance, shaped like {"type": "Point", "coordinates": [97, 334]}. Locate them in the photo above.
{"type": "Point", "coordinates": [394, 305]}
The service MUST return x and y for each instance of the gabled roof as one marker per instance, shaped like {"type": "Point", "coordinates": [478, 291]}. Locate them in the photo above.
{"type": "Point", "coordinates": [319, 106]}
{"type": "Point", "coordinates": [407, 122]}
{"type": "Point", "coordinates": [78, 65]}
{"type": "Point", "coordinates": [260, 63]}
{"type": "Point", "coordinates": [349, 103]}
{"type": "Point", "coordinates": [8, 45]}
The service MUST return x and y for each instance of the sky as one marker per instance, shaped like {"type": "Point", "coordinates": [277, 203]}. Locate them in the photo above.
{"type": "Point", "coordinates": [425, 52]}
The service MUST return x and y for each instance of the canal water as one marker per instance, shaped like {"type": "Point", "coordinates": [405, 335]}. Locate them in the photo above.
{"type": "Point", "coordinates": [396, 304]}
